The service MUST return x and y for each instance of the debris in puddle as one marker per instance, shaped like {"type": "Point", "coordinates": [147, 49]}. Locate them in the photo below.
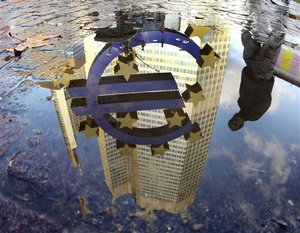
{"type": "Point", "coordinates": [258, 170]}
{"type": "Point", "coordinates": [18, 53]}
{"type": "Point", "coordinates": [280, 222]}
{"type": "Point", "coordinates": [15, 37]}
{"type": "Point", "coordinates": [185, 216]}
{"type": "Point", "coordinates": [14, 157]}
{"type": "Point", "coordinates": [36, 190]}
{"type": "Point", "coordinates": [84, 206]}
{"type": "Point", "coordinates": [35, 140]}
{"type": "Point", "coordinates": [110, 211]}
{"type": "Point", "coordinates": [39, 131]}
{"type": "Point", "coordinates": [51, 199]}
{"type": "Point", "coordinates": [291, 202]}
{"type": "Point", "coordinates": [33, 42]}
{"type": "Point", "coordinates": [198, 226]}
{"type": "Point", "coordinates": [26, 197]}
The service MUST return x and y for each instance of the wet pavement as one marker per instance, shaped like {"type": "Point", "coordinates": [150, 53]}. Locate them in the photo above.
{"type": "Point", "coordinates": [60, 172]}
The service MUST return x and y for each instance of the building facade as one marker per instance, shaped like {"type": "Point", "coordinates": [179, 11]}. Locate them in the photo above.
{"type": "Point", "coordinates": [169, 179]}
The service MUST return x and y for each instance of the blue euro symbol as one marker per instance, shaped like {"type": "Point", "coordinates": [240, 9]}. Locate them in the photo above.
{"type": "Point", "coordinates": [99, 96]}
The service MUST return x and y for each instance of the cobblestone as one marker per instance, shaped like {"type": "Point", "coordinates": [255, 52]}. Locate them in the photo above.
{"type": "Point", "coordinates": [14, 219]}
{"type": "Point", "coordinates": [30, 17]}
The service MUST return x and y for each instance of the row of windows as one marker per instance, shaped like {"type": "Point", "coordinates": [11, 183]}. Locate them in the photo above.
{"type": "Point", "coordinates": [158, 198]}
{"type": "Point", "coordinates": [170, 61]}
{"type": "Point", "coordinates": [168, 68]}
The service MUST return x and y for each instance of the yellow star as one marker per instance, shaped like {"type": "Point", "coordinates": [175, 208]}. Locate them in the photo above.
{"type": "Point", "coordinates": [195, 98]}
{"type": "Point", "coordinates": [90, 131]}
{"type": "Point", "coordinates": [159, 150]}
{"type": "Point", "coordinates": [126, 150]}
{"type": "Point", "coordinates": [193, 137]}
{"type": "Point", "coordinates": [194, 134]}
{"type": "Point", "coordinates": [193, 94]}
{"type": "Point", "coordinates": [63, 81]}
{"type": "Point", "coordinates": [200, 31]}
{"type": "Point", "coordinates": [126, 67]}
{"type": "Point", "coordinates": [209, 60]}
{"type": "Point", "coordinates": [176, 119]}
{"type": "Point", "coordinates": [127, 121]}
{"type": "Point", "coordinates": [57, 84]}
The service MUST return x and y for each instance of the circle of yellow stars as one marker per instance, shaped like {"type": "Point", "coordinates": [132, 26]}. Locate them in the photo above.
{"type": "Point", "coordinates": [126, 66]}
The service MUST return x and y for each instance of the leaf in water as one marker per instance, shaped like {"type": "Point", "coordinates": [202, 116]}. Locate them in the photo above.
{"type": "Point", "coordinates": [85, 210]}
{"type": "Point", "coordinates": [34, 42]}
{"type": "Point", "coordinates": [17, 53]}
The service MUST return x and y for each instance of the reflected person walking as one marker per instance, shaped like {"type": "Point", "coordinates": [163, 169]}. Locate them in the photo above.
{"type": "Point", "coordinates": [257, 78]}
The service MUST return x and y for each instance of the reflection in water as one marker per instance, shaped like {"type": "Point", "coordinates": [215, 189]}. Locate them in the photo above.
{"type": "Point", "coordinates": [255, 99]}
{"type": "Point", "coordinates": [163, 176]}
{"type": "Point", "coordinates": [257, 78]}
{"type": "Point", "coordinates": [228, 203]}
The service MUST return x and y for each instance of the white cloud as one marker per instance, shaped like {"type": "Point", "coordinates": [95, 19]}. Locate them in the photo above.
{"type": "Point", "coordinates": [223, 151]}
{"type": "Point", "coordinates": [249, 168]}
{"type": "Point", "coordinates": [272, 149]}
{"type": "Point", "coordinates": [253, 140]}
{"type": "Point", "coordinates": [279, 167]}
{"type": "Point", "coordinates": [280, 91]}
{"type": "Point", "coordinates": [294, 147]}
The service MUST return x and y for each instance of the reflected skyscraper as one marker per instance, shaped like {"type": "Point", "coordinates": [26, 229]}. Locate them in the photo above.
{"type": "Point", "coordinates": [164, 177]}
{"type": "Point", "coordinates": [68, 121]}
{"type": "Point", "coordinates": [170, 181]}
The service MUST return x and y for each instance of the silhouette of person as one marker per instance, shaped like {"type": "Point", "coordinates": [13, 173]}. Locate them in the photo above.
{"type": "Point", "coordinates": [255, 99]}
{"type": "Point", "coordinates": [257, 78]}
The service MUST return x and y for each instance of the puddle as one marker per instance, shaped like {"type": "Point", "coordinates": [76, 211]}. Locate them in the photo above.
{"type": "Point", "coordinates": [116, 119]}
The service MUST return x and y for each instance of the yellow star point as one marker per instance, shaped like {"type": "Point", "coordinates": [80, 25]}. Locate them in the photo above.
{"type": "Point", "coordinates": [195, 98]}
{"type": "Point", "coordinates": [176, 119]}
{"type": "Point", "coordinates": [194, 136]}
{"type": "Point", "coordinates": [90, 131]}
{"type": "Point", "coordinates": [209, 60]}
{"type": "Point", "coordinates": [64, 80]}
{"type": "Point", "coordinates": [126, 150]}
{"type": "Point", "coordinates": [127, 121]}
{"type": "Point", "coordinates": [159, 150]}
{"type": "Point", "coordinates": [200, 31]}
{"type": "Point", "coordinates": [126, 69]}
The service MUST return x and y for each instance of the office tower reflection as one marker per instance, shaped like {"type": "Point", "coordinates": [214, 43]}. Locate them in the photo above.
{"type": "Point", "coordinates": [163, 176]}
{"type": "Point", "coordinates": [68, 121]}
{"type": "Point", "coordinates": [170, 181]}
{"type": "Point", "coordinates": [66, 124]}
